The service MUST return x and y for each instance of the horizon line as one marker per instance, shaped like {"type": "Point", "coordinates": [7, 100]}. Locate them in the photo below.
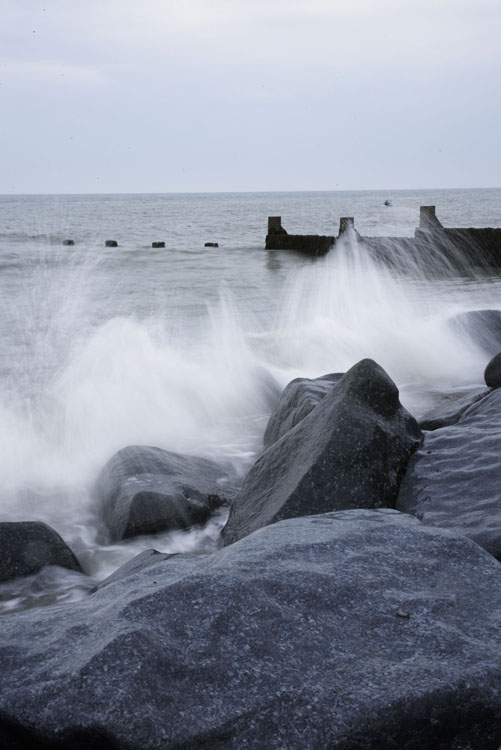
{"type": "Point", "coordinates": [254, 192]}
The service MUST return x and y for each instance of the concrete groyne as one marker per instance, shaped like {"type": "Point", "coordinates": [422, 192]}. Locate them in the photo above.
{"type": "Point", "coordinates": [480, 246]}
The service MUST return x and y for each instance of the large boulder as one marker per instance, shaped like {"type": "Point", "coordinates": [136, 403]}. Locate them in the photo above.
{"type": "Point", "coordinates": [298, 399]}
{"type": "Point", "coordinates": [349, 452]}
{"type": "Point", "coordinates": [28, 546]}
{"type": "Point", "coordinates": [145, 490]}
{"type": "Point", "coordinates": [453, 480]}
{"type": "Point", "coordinates": [483, 327]}
{"type": "Point", "coordinates": [359, 630]}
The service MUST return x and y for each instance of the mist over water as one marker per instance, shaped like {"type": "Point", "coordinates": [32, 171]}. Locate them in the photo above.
{"type": "Point", "coordinates": [180, 348]}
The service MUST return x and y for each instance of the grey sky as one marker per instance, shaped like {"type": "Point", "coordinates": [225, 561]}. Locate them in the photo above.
{"type": "Point", "coordinates": [202, 95]}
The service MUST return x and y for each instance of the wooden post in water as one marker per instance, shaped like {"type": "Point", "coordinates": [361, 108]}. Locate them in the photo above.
{"type": "Point", "coordinates": [345, 223]}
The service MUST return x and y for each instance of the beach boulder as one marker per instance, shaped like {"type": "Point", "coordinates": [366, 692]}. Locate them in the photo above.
{"type": "Point", "coordinates": [358, 630]}
{"type": "Point", "coordinates": [28, 546]}
{"type": "Point", "coordinates": [297, 400]}
{"type": "Point", "coordinates": [144, 490]}
{"type": "Point", "coordinates": [453, 480]}
{"type": "Point", "coordinates": [350, 451]}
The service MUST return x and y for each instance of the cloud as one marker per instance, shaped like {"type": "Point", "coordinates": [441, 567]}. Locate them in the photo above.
{"type": "Point", "coordinates": [249, 90]}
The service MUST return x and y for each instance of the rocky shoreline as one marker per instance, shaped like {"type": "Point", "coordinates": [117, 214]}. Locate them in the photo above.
{"type": "Point", "coordinates": [355, 602]}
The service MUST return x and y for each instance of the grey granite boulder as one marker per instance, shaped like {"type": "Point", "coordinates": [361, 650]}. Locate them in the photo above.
{"type": "Point", "coordinates": [492, 374]}
{"type": "Point", "coordinates": [144, 490]}
{"type": "Point", "coordinates": [483, 327]}
{"type": "Point", "coordinates": [28, 546]}
{"type": "Point", "coordinates": [454, 479]}
{"type": "Point", "coordinates": [349, 452]}
{"type": "Point", "coordinates": [358, 630]}
{"type": "Point", "coordinates": [298, 399]}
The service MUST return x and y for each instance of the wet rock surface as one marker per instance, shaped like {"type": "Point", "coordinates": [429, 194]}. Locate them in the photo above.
{"type": "Point", "coordinates": [144, 490]}
{"type": "Point", "coordinates": [454, 481]}
{"type": "Point", "coordinates": [28, 546]}
{"type": "Point", "coordinates": [291, 638]}
{"type": "Point", "coordinates": [492, 374]}
{"type": "Point", "coordinates": [297, 400]}
{"type": "Point", "coordinates": [140, 562]}
{"type": "Point", "coordinates": [349, 452]}
{"type": "Point", "coordinates": [451, 408]}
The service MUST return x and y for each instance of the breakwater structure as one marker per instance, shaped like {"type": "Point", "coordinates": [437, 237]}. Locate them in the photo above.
{"type": "Point", "coordinates": [480, 246]}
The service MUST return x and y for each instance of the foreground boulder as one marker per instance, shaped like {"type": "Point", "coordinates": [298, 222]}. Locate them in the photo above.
{"type": "Point", "coordinates": [298, 399]}
{"type": "Point", "coordinates": [350, 452]}
{"type": "Point", "coordinates": [359, 630]}
{"type": "Point", "coordinates": [453, 480]}
{"type": "Point", "coordinates": [144, 490]}
{"type": "Point", "coordinates": [483, 327]}
{"type": "Point", "coordinates": [28, 546]}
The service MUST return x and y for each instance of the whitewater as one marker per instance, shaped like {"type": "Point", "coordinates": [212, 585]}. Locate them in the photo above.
{"type": "Point", "coordinates": [187, 347]}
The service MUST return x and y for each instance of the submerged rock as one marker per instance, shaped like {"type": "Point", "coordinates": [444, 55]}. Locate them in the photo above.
{"type": "Point", "coordinates": [349, 452]}
{"type": "Point", "coordinates": [453, 480]}
{"type": "Point", "coordinates": [144, 490]}
{"type": "Point", "coordinates": [350, 631]}
{"type": "Point", "coordinates": [492, 374]}
{"type": "Point", "coordinates": [28, 546]}
{"type": "Point", "coordinates": [298, 399]}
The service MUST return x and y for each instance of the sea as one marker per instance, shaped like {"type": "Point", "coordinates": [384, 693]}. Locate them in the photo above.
{"type": "Point", "coordinates": [185, 347]}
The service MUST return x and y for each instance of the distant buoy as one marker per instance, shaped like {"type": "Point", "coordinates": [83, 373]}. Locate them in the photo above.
{"type": "Point", "coordinates": [111, 243]}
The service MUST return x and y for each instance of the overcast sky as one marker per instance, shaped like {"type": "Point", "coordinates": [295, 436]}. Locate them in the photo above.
{"type": "Point", "coordinates": [216, 95]}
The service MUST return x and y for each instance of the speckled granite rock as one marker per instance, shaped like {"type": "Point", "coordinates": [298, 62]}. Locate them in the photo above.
{"type": "Point", "coordinates": [358, 630]}
{"type": "Point", "coordinates": [349, 452]}
{"type": "Point", "coordinates": [144, 490]}
{"type": "Point", "coordinates": [454, 479]}
{"type": "Point", "coordinates": [28, 546]}
{"type": "Point", "coordinates": [297, 400]}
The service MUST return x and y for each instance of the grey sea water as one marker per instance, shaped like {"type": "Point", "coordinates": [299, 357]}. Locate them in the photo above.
{"type": "Point", "coordinates": [106, 347]}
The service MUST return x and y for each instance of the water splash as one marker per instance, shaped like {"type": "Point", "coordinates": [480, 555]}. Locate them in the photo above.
{"type": "Point", "coordinates": [92, 382]}
{"type": "Point", "coordinates": [349, 305]}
